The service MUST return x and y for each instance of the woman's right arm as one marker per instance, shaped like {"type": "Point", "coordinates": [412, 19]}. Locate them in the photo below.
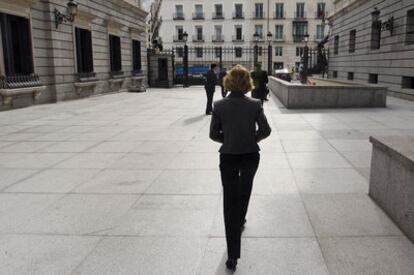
{"type": "Point", "coordinates": [216, 130]}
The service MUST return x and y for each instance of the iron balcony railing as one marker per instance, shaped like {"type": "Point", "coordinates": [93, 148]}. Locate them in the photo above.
{"type": "Point", "coordinates": [218, 15]}
{"type": "Point", "coordinates": [198, 16]}
{"type": "Point", "coordinates": [279, 38]}
{"type": "Point", "coordinates": [179, 16]}
{"type": "Point", "coordinates": [217, 38]}
{"type": "Point", "coordinates": [298, 38]}
{"type": "Point", "coordinates": [238, 38]}
{"type": "Point", "coordinates": [19, 81]}
{"type": "Point", "coordinates": [178, 38]}
{"type": "Point", "coordinates": [198, 38]}
{"type": "Point", "coordinates": [318, 38]}
{"type": "Point", "coordinates": [238, 15]}
{"type": "Point", "coordinates": [258, 15]}
{"type": "Point", "coordinates": [299, 15]}
{"type": "Point", "coordinates": [279, 15]}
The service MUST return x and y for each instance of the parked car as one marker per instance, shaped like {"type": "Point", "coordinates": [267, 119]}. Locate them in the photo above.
{"type": "Point", "coordinates": [283, 74]}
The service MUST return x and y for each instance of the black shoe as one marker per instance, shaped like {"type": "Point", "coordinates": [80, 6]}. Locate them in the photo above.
{"type": "Point", "coordinates": [231, 264]}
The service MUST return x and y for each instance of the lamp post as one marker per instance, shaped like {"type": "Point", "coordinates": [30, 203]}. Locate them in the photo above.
{"type": "Point", "coordinates": [269, 53]}
{"type": "Point", "coordinates": [305, 60]}
{"type": "Point", "coordinates": [72, 11]}
{"type": "Point", "coordinates": [185, 59]}
{"type": "Point", "coordinates": [256, 38]}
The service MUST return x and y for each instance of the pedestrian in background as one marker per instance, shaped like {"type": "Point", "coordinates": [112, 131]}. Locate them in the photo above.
{"type": "Point", "coordinates": [260, 80]}
{"type": "Point", "coordinates": [239, 123]}
{"type": "Point", "coordinates": [210, 86]}
{"type": "Point", "coordinates": [223, 74]}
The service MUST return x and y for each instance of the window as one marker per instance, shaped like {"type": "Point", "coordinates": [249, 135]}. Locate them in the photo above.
{"type": "Point", "coordinates": [373, 78]}
{"type": "Point", "coordinates": [299, 31]}
{"type": "Point", "coordinates": [299, 51]}
{"type": "Point", "coordinates": [199, 52]}
{"type": "Point", "coordinates": [279, 32]}
{"type": "Point", "coordinates": [280, 13]}
{"type": "Point", "coordinates": [115, 53]}
{"type": "Point", "coordinates": [259, 30]}
{"type": "Point", "coordinates": [335, 74]}
{"type": "Point", "coordinates": [199, 14]}
{"type": "Point", "coordinates": [375, 31]}
{"type": "Point", "coordinates": [238, 11]}
{"type": "Point", "coordinates": [336, 44]}
{"type": "Point", "coordinates": [320, 32]}
{"type": "Point", "coordinates": [180, 31]}
{"type": "Point", "coordinates": [218, 11]}
{"type": "Point", "coordinates": [17, 45]}
{"type": "Point", "coordinates": [278, 65]}
{"type": "Point", "coordinates": [239, 33]}
{"type": "Point", "coordinates": [279, 51]}
{"type": "Point", "coordinates": [179, 12]}
{"type": "Point", "coordinates": [218, 33]}
{"type": "Point", "coordinates": [300, 10]}
{"type": "Point", "coordinates": [320, 11]}
{"type": "Point", "coordinates": [136, 56]}
{"type": "Point", "coordinates": [407, 82]}
{"type": "Point", "coordinates": [199, 33]}
{"type": "Point", "coordinates": [409, 40]}
{"type": "Point", "coordinates": [84, 54]}
{"type": "Point", "coordinates": [352, 41]}
{"type": "Point", "coordinates": [258, 10]}
{"type": "Point", "coordinates": [239, 52]}
{"type": "Point", "coordinates": [350, 76]}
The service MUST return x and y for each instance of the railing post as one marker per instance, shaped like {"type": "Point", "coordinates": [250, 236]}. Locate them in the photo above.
{"type": "Point", "coordinates": [221, 59]}
{"type": "Point", "coordinates": [256, 55]}
{"type": "Point", "coordinates": [185, 63]}
{"type": "Point", "coordinates": [269, 60]}
{"type": "Point", "coordinates": [305, 64]}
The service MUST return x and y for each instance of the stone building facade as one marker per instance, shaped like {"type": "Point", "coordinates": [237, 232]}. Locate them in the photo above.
{"type": "Point", "coordinates": [101, 49]}
{"type": "Point", "coordinates": [373, 42]}
{"type": "Point", "coordinates": [225, 23]}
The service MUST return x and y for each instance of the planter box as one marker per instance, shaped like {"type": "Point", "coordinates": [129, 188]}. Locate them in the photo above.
{"type": "Point", "coordinates": [327, 94]}
{"type": "Point", "coordinates": [392, 179]}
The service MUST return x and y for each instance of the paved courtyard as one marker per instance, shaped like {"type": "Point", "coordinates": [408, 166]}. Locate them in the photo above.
{"type": "Point", "coordinates": [129, 184]}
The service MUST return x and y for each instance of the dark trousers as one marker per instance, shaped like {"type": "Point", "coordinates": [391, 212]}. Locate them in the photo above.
{"type": "Point", "coordinates": [210, 96]}
{"type": "Point", "coordinates": [237, 174]}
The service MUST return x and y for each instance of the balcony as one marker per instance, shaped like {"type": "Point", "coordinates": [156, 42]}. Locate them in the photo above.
{"type": "Point", "coordinates": [198, 38]}
{"type": "Point", "coordinates": [299, 16]}
{"type": "Point", "coordinates": [280, 38]}
{"type": "Point", "coordinates": [279, 15]}
{"type": "Point", "coordinates": [320, 14]}
{"type": "Point", "coordinates": [238, 15]}
{"type": "Point", "coordinates": [198, 16]}
{"type": "Point", "coordinates": [178, 38]}
{"type": "Point", "coordinates": [11, 86]}
{"type": "Point", "coordinates": [318, 38]}
{"type": "Point", "coordinates": [218, 15]}
{"type": "Point", "coordinates": [238, 38]}
{"type": "Point", "coordinates": [258, 15]}
{"type": "Point", "coordinates": [298, 38]}
{"type": "Point", "coordinates": [178, 16]}
{"type": "Point", "coordinates": [217, 38]}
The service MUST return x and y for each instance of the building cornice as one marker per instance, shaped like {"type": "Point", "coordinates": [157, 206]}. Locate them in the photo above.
{"type": "Point", "coordinates": [346, 9]}
{"type": "Point", "coordinates": [135, 8]}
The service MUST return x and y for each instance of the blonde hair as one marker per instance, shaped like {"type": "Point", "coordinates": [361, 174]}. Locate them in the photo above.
{"type": "Point", "coordinates": [238, 80]}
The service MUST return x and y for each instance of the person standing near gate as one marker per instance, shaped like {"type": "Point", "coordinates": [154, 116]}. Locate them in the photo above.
{"type": "Point", "coordinates": [260, 80]}
{"type": "Point", "coordinates": [239, 123]}
{"type": "Point", "coordinates": [210, 86]}
{"type": "Point", "coordinates": [223, 74]}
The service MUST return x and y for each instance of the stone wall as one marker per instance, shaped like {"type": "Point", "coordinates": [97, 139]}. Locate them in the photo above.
{"type": "Point", "coordinates": [54, 49]}
{"type": "Point", "coordinates": [393, 60]}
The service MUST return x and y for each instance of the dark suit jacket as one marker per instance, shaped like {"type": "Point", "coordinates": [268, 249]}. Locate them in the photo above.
{"type": "Point", "coordinates": [260, 80]}
{"type": "Point", "coordinates": [211, 81]}
{"type": "Point", "coordinates": [239, 123]}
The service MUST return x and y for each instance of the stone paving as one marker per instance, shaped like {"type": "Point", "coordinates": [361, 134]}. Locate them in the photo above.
{"type": "Point", "coordinates": [129, 184]}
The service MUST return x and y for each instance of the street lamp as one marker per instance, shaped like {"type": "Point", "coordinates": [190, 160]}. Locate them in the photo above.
{"type": "Point", "coordinates": [269, 53]}
{"type": "Point", "coordinates": [305, 60]}
{"type": "Point", "coordinates": [72, 11]}
{"type": "Point", "coordinates": [185, 59]}
{"type": "Point", "coordinates": [256, 38]}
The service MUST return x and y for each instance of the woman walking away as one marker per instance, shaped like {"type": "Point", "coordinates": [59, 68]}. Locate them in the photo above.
{"type": "Point", "coordinates": [260, 80]}
{"type": "Point", "coordinates": [239, 123]}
